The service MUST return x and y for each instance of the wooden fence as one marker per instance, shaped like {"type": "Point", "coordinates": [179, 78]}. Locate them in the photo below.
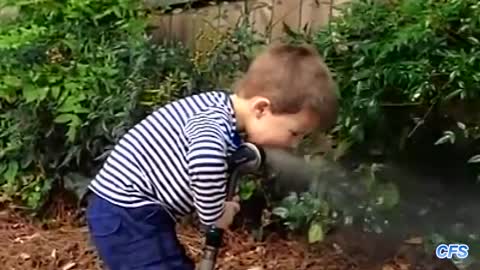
{"type": "Point", "coordinates": [265, 16]}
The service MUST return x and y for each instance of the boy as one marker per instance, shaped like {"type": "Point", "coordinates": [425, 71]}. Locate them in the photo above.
{"type": "Point", "coordinates": [174, 162]}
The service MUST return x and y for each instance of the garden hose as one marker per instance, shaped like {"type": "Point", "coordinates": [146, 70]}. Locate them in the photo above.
{"type": "Point", "coordinates": [248, 158]}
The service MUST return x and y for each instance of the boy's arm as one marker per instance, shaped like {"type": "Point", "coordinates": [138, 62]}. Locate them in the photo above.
{"type": "Point", "coordinates": [207, 163]}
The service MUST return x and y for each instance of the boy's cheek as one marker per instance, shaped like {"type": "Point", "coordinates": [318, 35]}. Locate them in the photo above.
{"type": "Point", "coordinates": [277, 141]}
{"type": "Point", "coordinates": [260, 139]}
{"type": "Point", "coordinates": [269, 135]}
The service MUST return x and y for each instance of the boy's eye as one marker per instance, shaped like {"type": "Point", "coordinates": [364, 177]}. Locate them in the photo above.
{"type": "Point", "coordinates": [294, 133]}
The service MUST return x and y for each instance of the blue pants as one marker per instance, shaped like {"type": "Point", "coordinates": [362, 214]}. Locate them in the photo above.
{"type": "Point", "coordinates": [141, 238]}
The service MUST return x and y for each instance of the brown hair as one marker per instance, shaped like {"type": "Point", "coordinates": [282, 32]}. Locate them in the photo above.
{"type": "Point", "coordinates": [292, 77]}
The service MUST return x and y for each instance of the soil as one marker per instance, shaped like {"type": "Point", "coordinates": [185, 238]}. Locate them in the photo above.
{"type": "Point", "coordinates": [62, 244]}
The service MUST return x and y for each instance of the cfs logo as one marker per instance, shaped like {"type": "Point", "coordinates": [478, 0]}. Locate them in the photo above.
{"type": "Point", "coordinates": [447, 251]}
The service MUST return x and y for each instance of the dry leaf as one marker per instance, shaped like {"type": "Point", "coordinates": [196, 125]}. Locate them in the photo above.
{"type": "Point", "coordinates": [414, 241]}
{"type": "Point", "coordinates": [18, 240]}
{"type": "Point", "coordinates": [54, 254]}
{"type": "Point", "coordinates": [35, 235]}
{"type": "Point", "coordinates": [4, 213]}
{"type": "Point", "coordinates": [24, 256]}
{"type": "Point", "coordinates": [22, 240]}
{"type": "Point", "coordinates": [69, 266]}
{"type": "Point", "coordinates": [387, 267]}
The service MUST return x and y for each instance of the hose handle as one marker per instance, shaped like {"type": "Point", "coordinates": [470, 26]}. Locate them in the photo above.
{"type": "Point", "coordinates": [248, 158]}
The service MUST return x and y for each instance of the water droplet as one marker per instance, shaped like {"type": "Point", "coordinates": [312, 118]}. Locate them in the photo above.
{"type": "Point", "coordinates": [348, 220]}
{"type": "Point", "coordinates": [377, 229]}
{"type": "Point", "coordinates": [423, 211]}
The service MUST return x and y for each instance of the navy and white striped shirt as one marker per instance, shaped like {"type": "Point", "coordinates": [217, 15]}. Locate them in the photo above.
{"type": "Point", "coordinates": [175, 157]}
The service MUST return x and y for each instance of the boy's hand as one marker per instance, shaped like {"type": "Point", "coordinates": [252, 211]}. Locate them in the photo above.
{"type": "Point", "coordinates": [231, 209]}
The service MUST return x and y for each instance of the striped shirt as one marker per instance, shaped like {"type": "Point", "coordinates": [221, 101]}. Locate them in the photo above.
{"type": "Point", "coordinates": [175, 157]}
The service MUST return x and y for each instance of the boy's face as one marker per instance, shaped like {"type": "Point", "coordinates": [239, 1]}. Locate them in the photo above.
{"type": "Point", "coordinates": [279, 130]}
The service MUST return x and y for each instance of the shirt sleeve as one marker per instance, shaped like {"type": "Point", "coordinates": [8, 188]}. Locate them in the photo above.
{"type": "Point", "coordinates": [207, 167]}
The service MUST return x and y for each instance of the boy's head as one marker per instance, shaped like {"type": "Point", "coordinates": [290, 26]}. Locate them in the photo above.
{"type": "Point", "coordinates": [286, 93]}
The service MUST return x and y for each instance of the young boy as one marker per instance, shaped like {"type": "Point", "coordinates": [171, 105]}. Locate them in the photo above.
{"type": "Point", "coordinates": [173, 162]}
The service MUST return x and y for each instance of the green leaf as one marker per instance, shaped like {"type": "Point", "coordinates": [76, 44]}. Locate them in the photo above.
{"type": "Point", "coordinates": [448, 136]}
{"type": "Point", "coordinates": [29, 93]}
{"type": "Point", "coordinates": [12, 81]}
{"type": "Point", "coordinates": [474, 159]}
{"type": "Point", "coordinates": [73, 127]}
{"type": "Point", "coordinates": [359, 62]}
{"type": "Point", "coordinates": [461, 125]}
{"type": "Point", "coordinates": [73, 121]}
{"type": "Point", "coordinates": [33, 93]}
{"type": "Point", "coordinates": [454, 94]}
{"type": "Point", "coordinates": [11, 172]}
{"type": "Point", "coordinates": [247, 189]}
{"type": "Point", "coordinates": [7, 94]}
{"type": "Point", "coordinates": [55, 92]}
{"type": "Point", "coordinates": [315, 233]}
{"type": "Point", "coordinates": [389, 194]}
{"type": "Point", "coordinates": [64, 118]}
{"type": "Point", "coordinates": [3, 167]}
{"type": "Point", "coordinates": [342, 148]}
{"type": "Point", "coordinates": [291, 199]}
{"type": "Point", "coordinates": [473, 40]}
{"type": "Point", "coordinates": [281, 212]}
{"type": "Point", "coordinates": [72, 105]}
{"type": "Point", "coordinates": [54, 78]}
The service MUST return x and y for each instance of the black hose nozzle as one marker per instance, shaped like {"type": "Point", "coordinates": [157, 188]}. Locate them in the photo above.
{"type": "Point", "coordinates": [247, 159]}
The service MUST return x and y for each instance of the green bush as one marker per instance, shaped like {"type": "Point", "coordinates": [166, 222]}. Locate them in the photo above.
{"type": "Point", "coordinates": [70, 73]}
{"type": "Point", "coordinates": [75, 75]}
{"type": "Point", "coordinates": [306, 212]}
{"type": "Point", "coordinates": [403, 64]}
{"type": "Point", "coordinates": [400, 65]}
{"type": "Point", "coordinates": [222, 57]}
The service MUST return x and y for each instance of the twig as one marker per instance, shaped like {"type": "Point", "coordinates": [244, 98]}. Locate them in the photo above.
{"type": "Point", "coordinates": [421, 122]}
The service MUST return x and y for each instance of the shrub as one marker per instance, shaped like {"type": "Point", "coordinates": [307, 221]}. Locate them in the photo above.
{"type": "Point", "coordinates": [403, 64]}
{"type": "Point", "coordinates": [75, 75]}
{"type": "Point", "coordinates": [400, 65]}
{"type": "Point", "coordinates": [71, 73]}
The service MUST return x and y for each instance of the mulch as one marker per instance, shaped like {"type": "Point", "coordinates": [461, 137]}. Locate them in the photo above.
{"type": "Point", "coordinates": [62, 246]}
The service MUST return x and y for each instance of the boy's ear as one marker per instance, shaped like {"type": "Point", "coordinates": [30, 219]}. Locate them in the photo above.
{"type": "Point", "coordinates": [260, 106]}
